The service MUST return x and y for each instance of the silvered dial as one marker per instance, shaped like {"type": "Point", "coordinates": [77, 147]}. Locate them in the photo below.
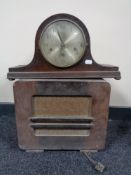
{"type": "Point", "coordinates": [62, 43]}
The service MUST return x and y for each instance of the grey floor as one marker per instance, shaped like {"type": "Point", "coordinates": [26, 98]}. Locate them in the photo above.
{"type": "Point", "coordinates": [116, 157]}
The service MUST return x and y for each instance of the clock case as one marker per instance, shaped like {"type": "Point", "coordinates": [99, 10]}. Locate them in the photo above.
{"type": "Point", "coordinates": [87, 67]}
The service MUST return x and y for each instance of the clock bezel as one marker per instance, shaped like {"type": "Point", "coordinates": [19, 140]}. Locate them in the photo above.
{"type": "Point", "coordinates": [75, 24]}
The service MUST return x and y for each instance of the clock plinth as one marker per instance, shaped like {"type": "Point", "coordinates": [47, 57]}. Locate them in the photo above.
{"type": "Point", "coordinates": [61, 98]}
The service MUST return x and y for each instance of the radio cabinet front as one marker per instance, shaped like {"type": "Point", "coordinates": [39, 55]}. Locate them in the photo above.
{"type": "Point", "coordinates": [62, 114]}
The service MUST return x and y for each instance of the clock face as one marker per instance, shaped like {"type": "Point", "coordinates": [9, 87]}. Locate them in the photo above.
{"type": "Point", "coordinates": [62, 43]}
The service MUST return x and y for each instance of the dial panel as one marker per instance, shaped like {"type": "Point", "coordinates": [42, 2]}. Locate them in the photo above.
{"type": "Point", "coordinates": [62, 43]}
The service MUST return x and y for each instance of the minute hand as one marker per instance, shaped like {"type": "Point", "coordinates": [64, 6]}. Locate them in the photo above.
{"type": "Point", "coordinates": [62, 42]}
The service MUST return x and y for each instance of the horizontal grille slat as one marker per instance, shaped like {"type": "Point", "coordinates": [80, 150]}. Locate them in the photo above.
{"type": "Point", "coordinates": [61, 133]}
{"type": "Point", "coordinates": [60, 120]}
{"type": "Point", "coordinates": [61, 126]}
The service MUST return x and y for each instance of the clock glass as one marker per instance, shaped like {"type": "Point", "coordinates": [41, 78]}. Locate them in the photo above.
{"type": "Point", "coordinates": [62, 43]}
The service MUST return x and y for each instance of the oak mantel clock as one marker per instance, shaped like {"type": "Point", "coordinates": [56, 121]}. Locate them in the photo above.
{"type": "Point", "coordinates": [61, 99]}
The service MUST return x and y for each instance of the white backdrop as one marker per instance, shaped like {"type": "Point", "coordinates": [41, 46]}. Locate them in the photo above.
{"type": "Point", "coordinates": [108, 22]}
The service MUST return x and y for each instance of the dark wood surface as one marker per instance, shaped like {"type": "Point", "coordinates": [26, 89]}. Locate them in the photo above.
{"type": "Point", "coordinates": [40, 68]}
{"type": "Point", "coordinates": [24, 91]}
